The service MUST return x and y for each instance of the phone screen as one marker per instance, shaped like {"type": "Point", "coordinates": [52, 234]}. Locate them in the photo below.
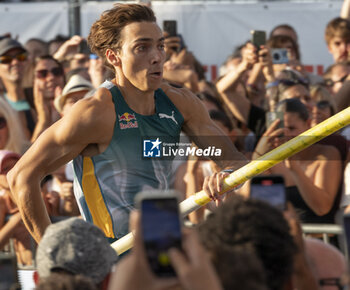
{"type": "Point", "coordinates": [270, 189]}
{"type": "Point", "coordinates": [258, 38]}
{"type": "Point", "coordinates": [170, 26]}
{"type": "Point", "coordinates": [161, 229]}
{"type": "Point", "coordinates": [8, 271]}
{"type": "Point", "coordinates": [272, 116]}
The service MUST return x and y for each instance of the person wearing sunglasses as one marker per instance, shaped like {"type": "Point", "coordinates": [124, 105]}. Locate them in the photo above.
{"type": "Point", "coordinates": [335, 76]}
{"type": "Point", "coordinates": [12, 135]}
{"type": "Point", "coordinates": [49, 81]}
{"type": "Point", "coordinates": [13, 61]}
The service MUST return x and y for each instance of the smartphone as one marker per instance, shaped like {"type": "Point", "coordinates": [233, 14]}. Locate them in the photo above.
{"type": "Point", "coordinates": [272, 116]}
{"type": "Point", "coordinates": [258, 38]}
{"type": "Point", "coordinates": [84, 48]}
{"type": "Point", "coordinates": [170, 26]}
{"type": "Point", "coordinates": [279, 56]}
{"type": "Point", "coordinates": [8, 271]}
{"type": "Point", "coordinates": [269, 188]}
{"type": "Point", "coordinates": [161, 228]}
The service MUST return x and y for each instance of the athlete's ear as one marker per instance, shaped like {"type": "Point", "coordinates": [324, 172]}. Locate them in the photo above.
{"type": "Point", "coordinates": [112, 57]}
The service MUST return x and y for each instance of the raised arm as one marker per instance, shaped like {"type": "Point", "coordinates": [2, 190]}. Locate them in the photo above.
{"type": "Point", "coordinates": [320, 191]}
{"type": "Point", "coordinates": [345, 10]}
{"type": "Point", "coordinates": [84, 128]}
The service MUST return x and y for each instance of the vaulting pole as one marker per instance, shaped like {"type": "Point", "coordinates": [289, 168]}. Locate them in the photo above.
{"type": "Point", "coordinates": [255, 167]}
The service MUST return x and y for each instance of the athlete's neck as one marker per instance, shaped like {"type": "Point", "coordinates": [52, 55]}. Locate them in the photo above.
{"type": "Point", "coordinates": [139, 101]}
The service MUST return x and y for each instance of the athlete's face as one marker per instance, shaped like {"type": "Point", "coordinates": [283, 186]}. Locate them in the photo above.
{"type": "Point", "coordinates": [142, 55]}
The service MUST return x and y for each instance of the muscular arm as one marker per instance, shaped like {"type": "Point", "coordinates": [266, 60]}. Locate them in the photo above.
{"type": "Point", "coordinates": [238, 104]}
{"type": "Point", "coordinates": [204, 132]}
{"type": "Point", "coordinates": [89, 122]}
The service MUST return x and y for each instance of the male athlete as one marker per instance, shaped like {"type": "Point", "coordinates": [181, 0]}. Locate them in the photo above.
{"type": "Point", "coordinates": [104, 133]}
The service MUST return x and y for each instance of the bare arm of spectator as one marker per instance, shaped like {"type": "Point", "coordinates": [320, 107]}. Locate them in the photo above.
{"type": "Point", "coordinates": [345, 10]}
{"type": "Point", "coordinates": [237, 102]}
{"type": "Point", "coordinates": [194, 180]}
{"type": "Point", "coordinates": [67, 138]}
{"type": "Point", "coordinates": [183, 76]}
{"type": "Point", "coordinates": [319, 191]}
{"type": "Point", "coordinates": [70, 207]}
{"type": "Point", "coordinates": [96, 72]}
{"type": "Point", "coordinates": [68, 48]}
{"type": "Point", "coordinates": [7, 230]}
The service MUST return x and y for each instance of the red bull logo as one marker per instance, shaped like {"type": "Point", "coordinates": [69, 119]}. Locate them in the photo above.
{"type": "Point", "coordinates": [127, 120]}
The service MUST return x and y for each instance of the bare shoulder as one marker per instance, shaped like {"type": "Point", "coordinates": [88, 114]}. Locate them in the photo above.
{"type": "Point", "coordinates": [186, 101]}
{"type": "Point", "coordinates": [327, 152]}
{"type": "Point", "coordinates": [93, 117]}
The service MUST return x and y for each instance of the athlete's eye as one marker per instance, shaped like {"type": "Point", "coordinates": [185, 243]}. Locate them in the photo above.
{"type": "Point", "coordinates": [162, 46]}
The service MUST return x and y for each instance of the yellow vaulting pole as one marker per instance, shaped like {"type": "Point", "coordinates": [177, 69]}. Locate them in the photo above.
{"type": "Point", "coordinates": [255, 167]}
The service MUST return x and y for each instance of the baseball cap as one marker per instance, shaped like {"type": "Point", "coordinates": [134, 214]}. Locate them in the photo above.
{"type": "Point", "coordinates": [75, 246]}
{"type": "Point", "coordinates": [9, 43]}
{"type": "Point", "coordinates": [5, 155]}
{"type": "Point", "coordinates": [76, 83]}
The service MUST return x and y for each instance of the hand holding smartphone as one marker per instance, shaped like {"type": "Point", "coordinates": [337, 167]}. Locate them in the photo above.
{"type": "Point", "coordinates": [258, 38]}
{"type": "Point", "coordinates": [161, 228]}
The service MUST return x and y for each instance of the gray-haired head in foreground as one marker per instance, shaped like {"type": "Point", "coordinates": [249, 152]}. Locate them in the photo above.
{"type": "Point", "coordinates": [77, 247]}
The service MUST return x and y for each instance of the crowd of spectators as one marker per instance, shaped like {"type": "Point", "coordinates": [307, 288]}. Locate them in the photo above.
{"type": "Point", "coordinates": [240, 244]}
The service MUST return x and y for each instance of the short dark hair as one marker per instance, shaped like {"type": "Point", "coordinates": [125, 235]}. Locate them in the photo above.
{"type": "Point", "coordinates": [239, 268]}
{"type": "Point", "coordinates": [293, 105]}
{"type": "Point", "coordinates": [282, 26]}
{"type": "Point", "coordinates": [240, 222]}
{"type": "Point", "coordinates": [105, 32]}
{"type": "Point", "coordinates": [277, 41]}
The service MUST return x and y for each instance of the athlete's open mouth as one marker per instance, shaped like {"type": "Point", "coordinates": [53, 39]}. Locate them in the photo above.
{"type": "Point", "coordinates": [156, 74]}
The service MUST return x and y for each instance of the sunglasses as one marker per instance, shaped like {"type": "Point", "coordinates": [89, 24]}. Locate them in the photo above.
{"type": "Point", "coordinates": [7, 59]}
{"type": "Point", "coordinates": [330, 83]}
{"type": "Point", "coordinates": [3, 123]}
{"type": "Point", "coordinates": [56, 72]}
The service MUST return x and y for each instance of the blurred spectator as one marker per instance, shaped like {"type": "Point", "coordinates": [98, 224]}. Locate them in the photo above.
{"type": "Point", "coordinates": [312, 193]}
{"type": "Point", "coordinates": [335, 76]}
{"type": "Point", "coordinates": [337, 36]}
{"type": "Point", "coordinates": [329, 264]}
{"type": "Point", "coordinates": [284, 29]}
{"type": "Point", "coordinates": [252, 223]}
{"type": "Point", "coordinates": [12, 136]}
{"type": "Point", "coordinates": [63, 281]}
{"type": "Point", "coordinates": [48, 83]}
{"type": "Point", "coordinates": [11, 226]}
{"type": "Point", "coordinates": [74, 90]}
{"type": "Point", "coordinates": [320, 93]}
{"type": "Point", "coordinates": [13, 61]}
{"type": "Point", "coordinates": [76, 247]}
{"type": "Point", "coordinates": [55, 43]}
{"type": "Point", "coordinates": [192, 265]}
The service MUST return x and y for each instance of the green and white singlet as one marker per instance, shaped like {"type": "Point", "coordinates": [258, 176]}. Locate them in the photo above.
{"type": "Point", "coordinates": [105, 185]}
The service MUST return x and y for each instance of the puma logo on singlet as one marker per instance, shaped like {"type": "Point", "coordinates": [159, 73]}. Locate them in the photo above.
{"type": "Point", "coordinates": [162, 115]}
